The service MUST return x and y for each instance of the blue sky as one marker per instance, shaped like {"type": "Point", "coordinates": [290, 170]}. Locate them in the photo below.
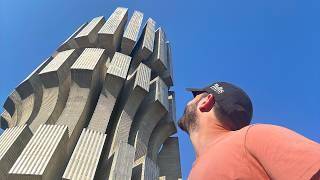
{"type": "Point", "coordinates": [270, 48]}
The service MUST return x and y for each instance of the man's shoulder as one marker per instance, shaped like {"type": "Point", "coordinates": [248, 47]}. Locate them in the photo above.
{"type": "Point", "coordinates": [263, 129]}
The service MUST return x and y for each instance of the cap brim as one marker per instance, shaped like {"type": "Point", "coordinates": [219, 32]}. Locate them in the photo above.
{"type": "Point", "coordinates": [195, 91]}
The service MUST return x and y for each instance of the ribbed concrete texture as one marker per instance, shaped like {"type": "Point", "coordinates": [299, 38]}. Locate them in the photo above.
{"type": "Point", "coordinates": [99, 107]}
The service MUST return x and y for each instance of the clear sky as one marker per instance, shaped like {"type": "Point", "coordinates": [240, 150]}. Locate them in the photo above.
{"type": "Point", "coordinates": [270, 48]}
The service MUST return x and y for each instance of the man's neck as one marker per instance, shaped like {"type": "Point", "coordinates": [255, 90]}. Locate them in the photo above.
{"type": "Point", "coordinates": [206, 135]}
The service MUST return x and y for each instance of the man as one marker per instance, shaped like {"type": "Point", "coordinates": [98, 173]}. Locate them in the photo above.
{"type": "Point", "coordinates": [227, 147]}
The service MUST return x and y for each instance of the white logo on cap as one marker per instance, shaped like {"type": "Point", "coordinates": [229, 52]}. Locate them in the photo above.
{"type": "Point", "coordinates": [218, 89]}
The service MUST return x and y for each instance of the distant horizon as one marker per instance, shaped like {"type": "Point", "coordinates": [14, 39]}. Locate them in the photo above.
{"type": "Point", "coordinates": [268, 48]}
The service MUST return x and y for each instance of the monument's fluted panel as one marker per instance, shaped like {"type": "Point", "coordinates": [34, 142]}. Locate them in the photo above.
{"type": "Point", "coordinates": [130, 36]}
{"type": "Point", "coordinates": [99, 108]}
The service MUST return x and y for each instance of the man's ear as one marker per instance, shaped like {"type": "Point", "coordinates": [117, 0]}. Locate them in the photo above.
{"type": "Point", "coordinates": [206, 103]}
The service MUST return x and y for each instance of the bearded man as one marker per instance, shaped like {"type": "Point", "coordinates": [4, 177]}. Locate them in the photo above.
{"type": "Point", "coordinates": [218, 120]}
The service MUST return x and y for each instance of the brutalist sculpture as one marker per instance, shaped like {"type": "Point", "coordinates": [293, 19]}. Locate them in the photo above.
{"type": "Point", "coordinates": [99, 108]}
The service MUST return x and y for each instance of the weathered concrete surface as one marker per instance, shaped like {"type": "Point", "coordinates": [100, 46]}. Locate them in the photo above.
{"type": "Point", "coordinates": [86, 75]}
{"type": "Point", "coordinates": [111, 33]}
{"type": "Point", "coordinates": [166, 127]}
{"type": "Point", "coordinates": [144, 47]}
{"type": "Point", "coordinates": [145, 169]}
{"type": "Point", "coordinates": [12, 141]}
{"type": "Point", "coordinates": [113, 83]}
{"type": "Point", "coordinates": [84, 160]}
{"type": "Point", "coordinates": [122, 163]}
{"type": "Point", "coordinates": [155, 103]}
{"type": "Point", "coordinates": [56, 80]}
{"type": "Point", "coordinates": [5, 120]}
{"type": "Point", "coordinates": [88, 35]}
{"type": "Point", "coordinates": [130, 35]}
{"type": "Point", "coordinates": [46, 148]}
{"type": "Point", "coordinates": [169, 159]}
{"type": "Point", "coordinates": [98, 107]}
{"type": "Point", "coordinates": [137, 88]}
{"type": "Point", "coordinates": [70, 43]}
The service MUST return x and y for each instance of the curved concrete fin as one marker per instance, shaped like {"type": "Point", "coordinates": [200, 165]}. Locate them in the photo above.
{"type": "Point", "coordinates": [145, 168]}
{"type": "Point", "coordinates": [169, 159]}
{"type": "Point", "coordinates": [158, 61]}
{"type": "Point", "coordinates": [144, 47]}
{"type": "Point", "coordinates": [165, 128]}
{"type": "Point", "coordinates": [114, 81]}
{"type": "Point", "coordinates": [110, 34]}
{"type": "Point", "coordinates": [12, 141]}
{"type": "Point", "coordinates": [30, 91]}
{"type": "Point", "coordinates": [46, 147]}
{"type": "Point", "coordinates": [70, 43]}
{"type": "Point", "coordinates": [135, 95]}
{"type": "Point", "coordinates": [99, 106]}
{"type": "Point", "coordinates": [122, 164]}
{"type": "Point", "coordinates": [167, 75]}
{"type": "Point", "coordinates": [84, 90]}
{"type": "Point", "coordinates": [56, 81]}
{"type": "Point", "coordinates": [13, 106]}
{"type": "Point", "coordinates": [24, 102]}
{"type": "Point", "coordinates": [88, 35]}
{"type": "Point", "coordinates": [6, 120]}
{"type": "Point", "coordinates": [145, 120]}
{"type": "Point", "coordinates": [131, 33]}
{"type": "Point", "coordinates": [85, 157]}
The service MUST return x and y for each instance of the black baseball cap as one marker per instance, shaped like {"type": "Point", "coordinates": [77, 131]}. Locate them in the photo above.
{"type": "Point", "coordinates": [233, 102]}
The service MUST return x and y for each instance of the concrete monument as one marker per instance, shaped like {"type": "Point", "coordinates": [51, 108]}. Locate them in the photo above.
{"type": "Point", "coordinates": [98, 108]}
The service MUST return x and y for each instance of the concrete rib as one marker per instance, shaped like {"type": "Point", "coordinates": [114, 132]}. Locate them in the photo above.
{"type": "Point", "coordinates": [158, 60]}
{"type": "Point", "coordinates": [37, 159]}
{"type": "Point", "coordinates": [86, 84]}
{"type": "Point", "coordinates": [169, 159]}
{"type": "Point", "coordinates": [131, 33]}
{"type": "Point", "coordinates": [88, 35]}
{"type": "Point", "coordinates": [136, 94]}
{"type": "Point", "coordinates": [13, 106]}
{"type": "Point", "coordinates": [84, 160]}
{"type": "Point", "coordinates": [145, 120]}
{"type": "Point", "coordinates": [144, 47]}
{"type": "Point", "coordinates": [165, 128]}
{"type": "Point", "coordinates": [70, 43]}
{"type": "Point", "coordinates": [167, 75]}
{"type": "Point", "coordinates": [145, 169]}
{"type": "Point", "coordinates": [6, 120]}
{"type": "Point", "coordinates": [56, 81]}
{"type": "Point", "coordinates": [110, 34]}
{"type": "Point", "coordinates": [122, 163]}
{"type": "Point", "coordinates": [114, 80]}
{"type": "Point", "coordinates": [12, 141]}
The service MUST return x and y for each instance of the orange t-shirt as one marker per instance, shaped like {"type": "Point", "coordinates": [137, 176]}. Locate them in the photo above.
{"type": "Point", "coordinates": [258, 151]}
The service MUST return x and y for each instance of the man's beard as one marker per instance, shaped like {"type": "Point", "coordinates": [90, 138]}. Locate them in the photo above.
{"type": "Point", "coordinates": [188, 121]}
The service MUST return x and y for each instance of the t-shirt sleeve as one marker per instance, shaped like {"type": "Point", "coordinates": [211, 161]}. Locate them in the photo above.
{"type": "Point", "coordinates": [283, 153]}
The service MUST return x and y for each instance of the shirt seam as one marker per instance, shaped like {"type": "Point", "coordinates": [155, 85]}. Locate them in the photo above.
{"type": "Point", "coordinates": [247, 152]}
